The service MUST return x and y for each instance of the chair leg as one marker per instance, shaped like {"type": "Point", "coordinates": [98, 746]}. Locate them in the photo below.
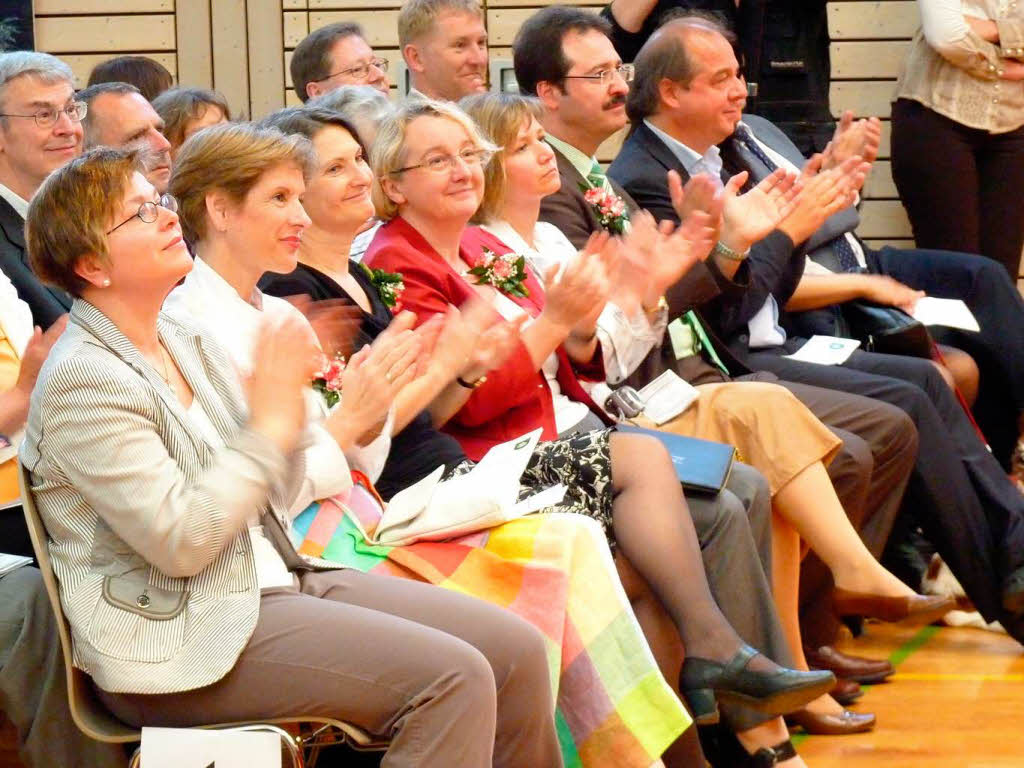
{"type": "Point", "coordinates": [136, 758]}
{"type": "Point", "coordinates": [293, 749]}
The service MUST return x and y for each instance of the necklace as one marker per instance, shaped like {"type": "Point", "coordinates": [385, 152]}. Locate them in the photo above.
{"type": "Point", "coordinates": [163, 363]}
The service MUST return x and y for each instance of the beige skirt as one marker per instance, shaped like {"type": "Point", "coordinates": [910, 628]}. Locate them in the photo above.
{"type": "Point", "coordinates": [771, 429]}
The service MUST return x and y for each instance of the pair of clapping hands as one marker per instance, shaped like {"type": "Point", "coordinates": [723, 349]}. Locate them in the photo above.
{"type": "Point", "coordinates": [467, 342]}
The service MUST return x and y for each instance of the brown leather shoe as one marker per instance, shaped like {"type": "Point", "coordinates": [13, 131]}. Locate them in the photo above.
{"type": "Point", "coordinates": [864, 671]}
{"type": "Point", "coordinates": [832, 725]}
{"type": "Point", "coordinates": [922, 609]}
{"type": "Point", "coordinates": [846, 691]}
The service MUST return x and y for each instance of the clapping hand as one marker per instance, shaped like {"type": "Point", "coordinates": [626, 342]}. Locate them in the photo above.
{"type": "Point", "coordinates": [860, 138]}
{"type": "Point", "coordinates": [753, 215]}
{"type": "Point", "coordinates": [469, 341]}
{"type": "Point", "coordinates": [576, 294]}
{"type": "Point", "coordinates": [38, 347]}
{"type": "Point", "coordinates": [334, 321]}
{"type": "Point", "coordinates": [823, 194]}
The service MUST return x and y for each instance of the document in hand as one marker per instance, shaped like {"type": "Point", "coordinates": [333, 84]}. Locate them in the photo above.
{"type": "Point", "coordinates": [486, 496]}
{"type": "Point", "coordinates": [701, 465]}
{"type": "Point", "coordinates": [825, 350]}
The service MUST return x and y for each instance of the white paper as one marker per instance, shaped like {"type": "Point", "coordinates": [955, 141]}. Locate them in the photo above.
{"type": "Point", "coordinates": [952, 313]}
{"type": "Point", "coordinates": [667, 396]}
{"type": "Point", "coordinates": [825, 350]}
{"type": "Point", "coordinates": [10, 563]}
{"type": "Point", "coordinates": [195, 748]}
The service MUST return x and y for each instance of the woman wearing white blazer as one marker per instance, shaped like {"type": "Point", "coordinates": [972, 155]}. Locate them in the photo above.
{"type": "Point", "coordinates": [165, 503]}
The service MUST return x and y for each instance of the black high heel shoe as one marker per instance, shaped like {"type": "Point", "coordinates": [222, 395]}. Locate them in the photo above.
{"type": "Point", "coordinates": [702, 682]}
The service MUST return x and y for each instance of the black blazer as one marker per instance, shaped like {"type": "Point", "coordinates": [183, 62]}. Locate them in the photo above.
{"type": "Point", "coordinates": [774, 266]}
{"type": "Point", "coordinates": [46, 303]}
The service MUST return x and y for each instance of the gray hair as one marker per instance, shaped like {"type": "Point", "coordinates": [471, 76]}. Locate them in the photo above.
{"type": "Point", "coordinates": [47, 68]}
{"type": "Point", "coordinates": [362, 105]}
{"type": "Point", "coordinates": [88, 95]}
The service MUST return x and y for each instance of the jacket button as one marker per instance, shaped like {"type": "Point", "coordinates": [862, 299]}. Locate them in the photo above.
{"type": "Point", "coordinates": [142, 600]}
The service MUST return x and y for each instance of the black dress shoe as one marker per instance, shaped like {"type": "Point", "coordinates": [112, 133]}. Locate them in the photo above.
{"type": "Point", "coordinates": [864, 671]}
{"type": "Point", "coordinates": [774, 693]}
{"type": "Point", "coordinates": [1013, 592]}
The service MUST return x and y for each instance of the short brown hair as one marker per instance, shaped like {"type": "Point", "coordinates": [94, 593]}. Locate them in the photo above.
{"type": "Point", "coordinates": [178, 106]}
{"type": "Point", "coordinates": [71, 212]}
{"type": "Point", "coordinates": [311, 59]}
{"type": "Point", "coordinates": [230, 157]}
{"type": "Point", "coordinates": [417, 16]}
{"type": "Point", "coordinates": [500, 116]}
{"type": "Point", "coordinates": [150, 77]}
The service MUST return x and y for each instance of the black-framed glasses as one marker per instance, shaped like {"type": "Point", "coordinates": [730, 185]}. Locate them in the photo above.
{"type": "Point", "coordinates": [149, 211]}
{"type": "Point", "coordinates": [625, 71]}
{"type": "Point", "coordinates": [443, 163]}
{"type": "Point", "coordinates": [48, 116]}
{"type": "Point", "coordinates": [359, 71]}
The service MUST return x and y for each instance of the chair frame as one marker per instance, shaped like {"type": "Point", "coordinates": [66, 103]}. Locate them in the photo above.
{"type": "Point", "coordinates": [93, 719]}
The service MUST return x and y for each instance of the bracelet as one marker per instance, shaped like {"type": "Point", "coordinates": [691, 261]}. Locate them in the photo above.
{"type": "Point", "coordinates": [662, 304]}
{"type": "Point", "coordinates": [726, 252]}
{"type": "Point", "coordinates": [470, 384]}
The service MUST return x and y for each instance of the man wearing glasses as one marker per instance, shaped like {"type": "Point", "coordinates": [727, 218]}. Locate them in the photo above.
{"type": "Point", "coordinates": [333, 56]}
{"type": "Point", "coordinates": [40, 130]}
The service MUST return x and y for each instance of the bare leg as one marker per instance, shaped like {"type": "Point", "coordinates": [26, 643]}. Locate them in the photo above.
{"type": "Point", "coordinates": [809, 503]}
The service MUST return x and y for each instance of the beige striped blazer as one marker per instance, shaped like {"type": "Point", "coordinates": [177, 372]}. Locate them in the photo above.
{"type": "Point", "coordinates": [147, 522]}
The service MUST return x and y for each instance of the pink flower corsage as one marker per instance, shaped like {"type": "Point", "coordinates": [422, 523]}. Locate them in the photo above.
{"type": "Point", "coordinates": [327, 380]}
{"type": "Point", "coordinates": [507, 273]}
{"type": "Point", "coordinates": [609, 207]}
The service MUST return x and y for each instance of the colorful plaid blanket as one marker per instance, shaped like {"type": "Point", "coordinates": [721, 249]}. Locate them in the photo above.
{"type": "Point", "coordinates": [613, 707]}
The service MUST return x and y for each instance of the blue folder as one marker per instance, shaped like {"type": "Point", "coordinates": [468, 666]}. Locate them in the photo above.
{"type": "Point", "coordinates": [701, 465]}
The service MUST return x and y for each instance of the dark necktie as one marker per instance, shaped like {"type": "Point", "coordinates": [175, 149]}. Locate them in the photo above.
{"type": "Point", "coordinates": [847, 258]}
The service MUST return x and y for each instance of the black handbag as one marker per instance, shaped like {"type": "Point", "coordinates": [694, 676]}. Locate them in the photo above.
{"type": "Point", "coordinates": [885, 329]}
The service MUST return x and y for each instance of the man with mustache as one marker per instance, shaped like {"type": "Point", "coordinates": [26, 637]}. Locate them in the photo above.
{"type": "Point", "coordinates": [583, 88]}
{"type": "Point", "coordinates": [119, 116]}
{"type": "Point", "coordinates": [40, 130]}
{"type": "Point", "coordinates": [444, 45]}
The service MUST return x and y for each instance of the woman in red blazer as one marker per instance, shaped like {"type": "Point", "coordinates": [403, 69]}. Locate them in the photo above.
{"type": "Point", "coordinates": [428, 159]}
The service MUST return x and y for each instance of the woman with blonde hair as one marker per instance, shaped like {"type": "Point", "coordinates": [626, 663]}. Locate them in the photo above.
{"type": "Point", "coordinates": [165, 490]}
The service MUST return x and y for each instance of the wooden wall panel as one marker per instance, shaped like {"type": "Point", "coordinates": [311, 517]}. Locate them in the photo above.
{"type": "Point", "coordinates": [110, 34]}
{"type": "Point", "coordinates": [195, 42]}
{"type": "Point", "coordinates": [82, 7]}
{"type": "Point", "coordinates": [82, 63]}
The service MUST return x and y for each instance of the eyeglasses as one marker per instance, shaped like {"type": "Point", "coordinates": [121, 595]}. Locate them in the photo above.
{"type": "Point", "coordinates": [605, 75]}
{"type": "Point", "coordinates": [49, 116]}
{"type": "Point", "coordinates": [148, 211]}
{"type": "Point", "coordinates": [443, 163]}
{"type": "Point", "coordinates": [360, 71]}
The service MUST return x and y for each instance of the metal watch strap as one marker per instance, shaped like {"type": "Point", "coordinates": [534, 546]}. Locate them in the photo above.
{"type": "Point", "coordinates": [726, 252]}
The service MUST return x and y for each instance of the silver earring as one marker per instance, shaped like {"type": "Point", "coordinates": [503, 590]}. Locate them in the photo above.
{"type": "Point", "coordinates": [106, 282]}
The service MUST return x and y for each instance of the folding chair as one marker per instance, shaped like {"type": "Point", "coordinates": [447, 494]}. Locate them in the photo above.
{"type": "Point", "coordinates": [93, 719]}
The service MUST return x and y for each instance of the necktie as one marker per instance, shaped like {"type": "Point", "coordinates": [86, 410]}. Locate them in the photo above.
{"type": "Point", "coordinates": [691, 319]}
{"type": "Point", "coordinates": [847, 258]}
{"type": "Point", "coordinates": [597, 177]}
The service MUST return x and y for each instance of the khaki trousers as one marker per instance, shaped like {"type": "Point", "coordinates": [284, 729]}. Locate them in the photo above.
{"type": "Point", "coordinates": [450, 680]}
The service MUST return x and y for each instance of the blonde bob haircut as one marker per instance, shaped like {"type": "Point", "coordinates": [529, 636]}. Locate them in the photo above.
{"type": "Point", "coordinates": [230, 157]}
{"type": "Point", "coordinates": [71, 212]}
{"type": "Point", "coordinates": [388, 152]}
{"type": "Point", "coordinates": [500, 116]}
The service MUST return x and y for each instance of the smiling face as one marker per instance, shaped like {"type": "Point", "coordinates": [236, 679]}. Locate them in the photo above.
{"type": "Point", "coordinates": [350, 53]}
{"type": "Point", "coordinates": [29, 153]}
{"type": "Point", "coordinates": [530, 169]}
{"type": "Point", "coordinates": [337, 198]}
{"type": "Point", "coordinates": [451, 60]}
{"type": "Point", "coordinates": [144, 258]}
{"type": "Point", "coordinates": [708, 108]}
{"type": "Point", "coordinates": [449, 196]}
{"type": "Point", "coordinates": [267, 225]}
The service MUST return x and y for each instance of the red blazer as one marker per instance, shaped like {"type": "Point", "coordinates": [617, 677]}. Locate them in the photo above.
{"type": "Point", "coordinates": [516, 398]}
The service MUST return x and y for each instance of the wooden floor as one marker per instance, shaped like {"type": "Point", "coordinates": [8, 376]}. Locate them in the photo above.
{"type": "Point", "coordinates": [957, 700]}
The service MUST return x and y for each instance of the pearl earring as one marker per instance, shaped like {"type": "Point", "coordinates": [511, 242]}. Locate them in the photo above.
{"type": "Point", "coordinates": [106, 282]}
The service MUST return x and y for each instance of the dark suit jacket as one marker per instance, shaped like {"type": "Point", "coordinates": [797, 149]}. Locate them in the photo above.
{"type": "Point", "coordinates": [641, 168]}
{"type": "Point", "coordinates": [568, 211]}
{"type": "Point", "coordinates": [46, 303]}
